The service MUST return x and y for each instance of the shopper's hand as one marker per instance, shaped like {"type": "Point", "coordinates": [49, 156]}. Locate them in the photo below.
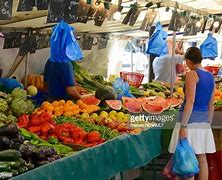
{"type": "Point", "coordinates": [183, 133]}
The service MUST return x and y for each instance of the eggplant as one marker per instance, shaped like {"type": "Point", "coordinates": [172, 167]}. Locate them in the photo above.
{"type": "Point", "coordinates": [15, 145]}
{"type": "Point", "coordinates": [49, 151]}
{"type": "Point", "coordinates": [19, 138]}
{"type": "Point", "coordinates": [25, 151]}
{"type": "Point", "coordinates": [41, 163]}
{"type": "Point", "coordinates": [5, 142]}
{"type": "Point", "coordinates": [10, 130]}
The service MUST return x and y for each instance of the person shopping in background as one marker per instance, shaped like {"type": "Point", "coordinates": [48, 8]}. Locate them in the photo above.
{"type": "Point", "coordinates": [196, 112]}
{"type": "Point", "coordinates": [162, 65]}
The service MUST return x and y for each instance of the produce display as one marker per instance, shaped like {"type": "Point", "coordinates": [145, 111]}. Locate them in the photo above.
{"type": "Point", "coordinates": [68, 108]}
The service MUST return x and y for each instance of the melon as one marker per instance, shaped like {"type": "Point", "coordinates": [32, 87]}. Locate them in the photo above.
{"type": "Point", "coordinates": [105, 93]}
{"type": "Point", "coordinates": [114, 104]}
{"type": "Point", "coordinates": [133, 106]}
{"type": "Point", "coordinates": [152, 108]}
{"type": "Point", "coordinates": [32, 90]}
{"type": "Point", "coordinates": [162, 101]}
{"type": "Point", "coordinates": [90, 100]}
{"type": "Point", "coordinates": [174, 102]}
{"type": "Point", "coordinates": [128, 99]}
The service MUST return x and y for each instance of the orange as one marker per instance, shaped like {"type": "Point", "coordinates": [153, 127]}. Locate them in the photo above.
{"type": "Point", "coordinates": [62, 102]}
{"type": "Point", "coordinates": [55, 103]}
{"type": "Point", "coordinates": [68, 113]}
{"type": "Point", "coordinates": [69, 102]}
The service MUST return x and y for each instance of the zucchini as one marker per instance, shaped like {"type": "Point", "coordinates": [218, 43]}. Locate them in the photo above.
{"type": "Point", "coordinates": [14, 172]}
{"type": "Point", "coordinates": [30, 166]}
{"type": "Point", "coordinates": [22, 169]}
{"type": "Point", "coordinates": [9, 155]}
{"type": "Point", "coordinates": [21, 162]}
{"type": "Point", "coordinates": [12, 164]}
{"type": "Point", "coordinates": [4, 167]}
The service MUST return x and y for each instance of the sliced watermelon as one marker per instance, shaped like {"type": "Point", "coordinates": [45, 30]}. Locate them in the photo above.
{"type": "Point", "coordinates": [152, 108]}
{"type": "Point", "coordinates": [133, 107]}
{"type": "Point", "coordinates": [162, 102]}
{"type": "Point", "coordinates": [174, 102]}
{"type": "Point", "coordinates": [128, 99]}
{"type": "Point", "coordinates": [90, 100]}
{"type": "Point", "coordinates": [114, 104]}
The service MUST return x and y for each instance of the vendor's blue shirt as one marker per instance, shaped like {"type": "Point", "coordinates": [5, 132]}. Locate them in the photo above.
{"type": "Point", "coordinates": [58, 76]}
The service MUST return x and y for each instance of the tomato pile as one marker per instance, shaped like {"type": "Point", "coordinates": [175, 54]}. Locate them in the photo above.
{"type": "Point", "coordinates": [45, 127]}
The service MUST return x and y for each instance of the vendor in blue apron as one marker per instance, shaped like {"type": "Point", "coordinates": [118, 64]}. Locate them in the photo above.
{"type": "Point", "coordinates": [59, 73]}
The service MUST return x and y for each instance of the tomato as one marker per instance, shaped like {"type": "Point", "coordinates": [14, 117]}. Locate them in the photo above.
{"type": "Point", "coordinates": [93, 136]}
{"type": "Point", "coordinates": [23, 121]}
{"type": "Point", "coordinates": [34, 129]}
{"type": "Point", "coordinates": [35, 120]}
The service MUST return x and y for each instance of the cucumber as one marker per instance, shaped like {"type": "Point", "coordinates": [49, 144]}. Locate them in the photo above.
{"type": "Point", "coordinates": [14, 172]}
{"type": "Point", "coordinates": [30, 166]}
{"type": "Point", "coordinates": [21, 161]}
{"type": "Point", "coordinates": [9, 155]}
{"type": "Point", "coordinates": [22, 169]}
{"type": "Point", "coordinates": [12, 164]}
{"type": "Point", "coordinates": [4, 167]}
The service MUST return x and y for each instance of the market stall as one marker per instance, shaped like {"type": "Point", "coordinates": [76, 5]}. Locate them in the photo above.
{"type": "Point", "coordinates": [99, 135]}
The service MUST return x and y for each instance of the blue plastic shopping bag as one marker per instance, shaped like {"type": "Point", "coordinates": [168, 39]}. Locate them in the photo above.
{"type": "Point", "coordinates": [185, 163]}
{"type": "Point", "coordinates": [121, 88]}
{"type": "Point", "coordinates": [157, 43]}
{"type": "Point", "coordinates": [209, 47]}
{"type": "Point", "coordinates": [64, 46]}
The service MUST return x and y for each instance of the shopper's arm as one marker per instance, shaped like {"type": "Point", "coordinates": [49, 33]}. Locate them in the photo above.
{"type": "Point", "coordinates": [190, 91]}
{"type": "Point", "coordinates": [211, 107]}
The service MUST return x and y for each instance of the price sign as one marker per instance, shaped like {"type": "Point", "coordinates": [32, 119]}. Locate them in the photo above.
{"type": "Point", "coordinates": [5, 9]}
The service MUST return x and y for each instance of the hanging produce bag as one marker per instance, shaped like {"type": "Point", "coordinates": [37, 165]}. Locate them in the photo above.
{"type": "Point", "coordinates": [157, 44]}
{"type": "Point", "coordinates": [5, 9]}
{"type": "Point", "coordinates": [132, 15]}
{"type": "Point", "coordinates": [121, 88]}
{"type": "Point", "coordinates": [70, 12]}
{"type": "Point", "coordinates": [185, 163]}
{"type": "Point", "coordinates": [175, 22]}
{"type": "Point", "coordinates": [82, 13]}
{"type": "Point", "coordinates": [209, 47]}
{"type": "Point", "coordinates": [64, 46]}
{"type": "Point", "coordinates": [102, 42]}
{"type": "Point", "coordinates": [148, 20]}
{"type": "Point", "coordinates": [56, 11]}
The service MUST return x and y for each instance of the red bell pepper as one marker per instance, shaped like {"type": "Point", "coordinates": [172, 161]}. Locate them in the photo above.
{"type": "Point", "coordinates": [23, 121]}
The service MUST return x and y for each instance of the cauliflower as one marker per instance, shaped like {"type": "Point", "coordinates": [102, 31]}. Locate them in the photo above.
{"type": "Point", "coordinates": [19, 93]}
{"type": "Point", "coordinates": [19, 107]}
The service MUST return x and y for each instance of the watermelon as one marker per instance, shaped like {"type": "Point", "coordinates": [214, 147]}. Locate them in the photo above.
{"type": "Point", "coordinates": [90, 100]}
{"type": "Point", "coordinates": [114, 104]}
{"type": "Point", "coordinates": [152, 108]}
{"type": "Point", "coordinates": [133, 106]}
{"type": "Point", "coordinates": [174, 102]}
{"type": "Point", "coordinates": [162, 102]}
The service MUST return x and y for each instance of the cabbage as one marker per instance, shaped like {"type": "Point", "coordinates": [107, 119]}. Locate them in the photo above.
{"type": "Point", "coordinates": [19, 106]}
{"type": "Point", "coordinates": [31, 106]}
{"type": "Point", "coordinates": [19, 93]}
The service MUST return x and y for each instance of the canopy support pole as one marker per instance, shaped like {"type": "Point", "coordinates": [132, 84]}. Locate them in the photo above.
{"type": "Point", "coordinates": [26, 64]}
{"type": "Point", "coordinates": [172, 65]}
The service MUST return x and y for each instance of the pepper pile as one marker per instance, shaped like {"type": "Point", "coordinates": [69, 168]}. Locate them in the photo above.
{"type": "Point", "coordinates": [46, 129]}
{"type": "Point", "coordinates": [68, 108]}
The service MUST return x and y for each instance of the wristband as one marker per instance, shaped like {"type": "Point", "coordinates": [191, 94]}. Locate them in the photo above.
{"type": "Point", "coordinates": [183, 125]}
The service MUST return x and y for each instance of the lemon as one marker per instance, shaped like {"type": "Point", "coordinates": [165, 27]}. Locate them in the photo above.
{"type": "Point", "coordinates": [112, 113]}
{"type": "Point", "coordinates": [113, 117]}
{"type": "Point", "coordinates": [120, 115]}
{"type": "Point", "coordinates": [180, 90]}
{"type": "Point", "coordinates": [84, 116]}
{"type": "Point", "coordinates": [94, 116]}
{"type": "Point", "coordinates": [104, 114]}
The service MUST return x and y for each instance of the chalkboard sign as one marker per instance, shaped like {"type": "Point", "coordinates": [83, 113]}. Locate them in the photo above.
{"type": "Point", "coordinates": [103, 43]}
{"type": "Point", "coordinates": [42, 41]}
{"type": "Point", "coordinates": [5, 9]}
{"type": "Point", "coordinates": [87, 43]}
{"type": "Point", "coordinates": [82, 12]}
{"type": "Point", "coordinates": [56, 11]}
{"type": "Point", "coordinates": [42, 4]}
{"type": "Point", "coordinates": [63, 9]}
{"type": "Point", "coordinates": [12, 40]}
{"type": "Point", "coordinates": [70, 13]}
{"type": "Point", "coordinates": [28, 44]}
{"type": "Point", "coordinates": [25, 5]}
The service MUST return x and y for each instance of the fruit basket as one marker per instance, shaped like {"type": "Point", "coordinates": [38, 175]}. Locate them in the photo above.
{"type": "Point", "coordinates": [134, 79]}
{"type": "Point", "coordinates": [213, 69]}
